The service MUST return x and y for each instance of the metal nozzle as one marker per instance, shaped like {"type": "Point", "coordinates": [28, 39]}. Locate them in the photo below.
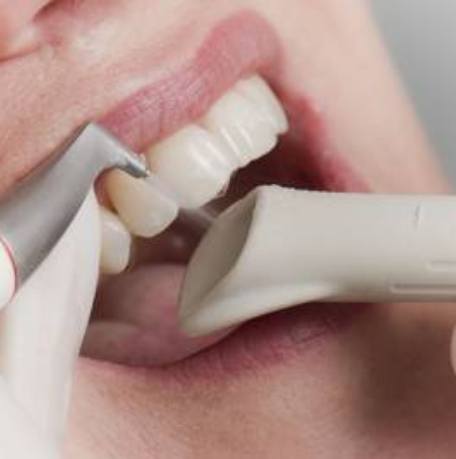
{"type": "Point", "coordinates": [37, 213]}
{"type": "Point", "coordinates": [116, 154]}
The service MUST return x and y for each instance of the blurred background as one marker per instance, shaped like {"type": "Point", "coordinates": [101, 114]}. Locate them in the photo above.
{"type": "Point", "coordinates": [421, 35]}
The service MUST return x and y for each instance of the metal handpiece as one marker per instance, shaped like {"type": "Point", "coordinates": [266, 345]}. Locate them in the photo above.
{"type": "Point", "coordinates": [35, 215]}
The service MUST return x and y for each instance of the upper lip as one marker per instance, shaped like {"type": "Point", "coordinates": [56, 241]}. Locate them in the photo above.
{"type": "Point", "coordinates": [236, 47]}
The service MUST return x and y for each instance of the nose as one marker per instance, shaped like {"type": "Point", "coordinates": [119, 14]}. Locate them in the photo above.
{"type": "Point", "coordinates": [17, 33]}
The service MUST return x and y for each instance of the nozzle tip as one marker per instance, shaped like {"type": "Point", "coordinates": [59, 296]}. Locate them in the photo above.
{"type": "Point", "coordinates": [135, 166]}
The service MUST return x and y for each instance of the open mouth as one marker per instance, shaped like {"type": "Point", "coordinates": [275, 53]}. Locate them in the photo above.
{"type": "Point", "coordinates": [229, 132]}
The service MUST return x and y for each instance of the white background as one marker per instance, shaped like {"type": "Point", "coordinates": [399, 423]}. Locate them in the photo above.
{"type": "Point", "coordinates": [421, 35]}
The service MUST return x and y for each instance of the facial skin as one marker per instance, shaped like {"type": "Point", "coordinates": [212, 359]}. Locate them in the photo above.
{"type": "Point", "coordinates": [381, 388]}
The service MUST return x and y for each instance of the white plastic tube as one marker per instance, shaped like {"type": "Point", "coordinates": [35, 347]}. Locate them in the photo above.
{"type": "Point", "coordinates": [280, 247]}
{"type": "Point", "coordinates": [41, 331]}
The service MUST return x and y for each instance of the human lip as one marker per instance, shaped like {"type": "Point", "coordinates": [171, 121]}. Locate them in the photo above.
{"type": "Point", "coordinates": [276, 339]}
{"type": "Point", "coordinates": [303, 159]}
{"type": "Point", "coordinates": [238, 46]}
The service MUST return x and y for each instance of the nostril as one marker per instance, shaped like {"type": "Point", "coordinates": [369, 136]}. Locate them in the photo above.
{"type": "Point", "coordinates": [14, 16]}
{"type": "Point", "coordinates": [17, 31]}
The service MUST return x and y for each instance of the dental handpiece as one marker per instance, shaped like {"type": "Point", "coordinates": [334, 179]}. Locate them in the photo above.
{"type": "Point", "coordinates": [36, 213]}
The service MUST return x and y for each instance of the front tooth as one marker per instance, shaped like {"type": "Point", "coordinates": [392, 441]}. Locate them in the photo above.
{"type": "Point", "coordinates": [143, 209]}
{"type": "Point", "coordinates": [242, 125]}
{"type": "Point", "coordinates": [115, 243]}
{"type": "Point", "coordinates": [257, 90]}
{"type": "Point", "coordinates": [194, 163]}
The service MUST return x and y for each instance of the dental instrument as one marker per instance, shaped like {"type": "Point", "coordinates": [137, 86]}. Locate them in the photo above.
{"type": "Point", "coordinates": [35, 214]}
{"type": "Point", "coordinates": [280, 247]}
{"type": "Point", "coordinates": [274, 248]}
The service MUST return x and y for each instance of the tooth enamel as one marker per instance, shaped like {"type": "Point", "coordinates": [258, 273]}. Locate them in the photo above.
{"type": "Point", "coordinates": [242, 125]}
{"type": "Point", "coordinates": [115, 243]}
{"type": "Point", "coordinates": [194, 163]}
{"type": "Point", "coordinates": [258, 91]}
{"type": "Point", "coordinates": [144, 211]}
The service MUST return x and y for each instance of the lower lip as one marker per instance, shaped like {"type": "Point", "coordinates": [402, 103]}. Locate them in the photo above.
{"type": "Point", "coordinates": [272, 340]}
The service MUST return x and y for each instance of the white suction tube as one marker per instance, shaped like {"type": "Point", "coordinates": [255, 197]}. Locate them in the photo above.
{"type": "Point", "coordinates": [279, 247]}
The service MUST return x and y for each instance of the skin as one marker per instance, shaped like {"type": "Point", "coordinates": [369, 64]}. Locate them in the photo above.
{"type": "Point", "coordinates": [383, 387]}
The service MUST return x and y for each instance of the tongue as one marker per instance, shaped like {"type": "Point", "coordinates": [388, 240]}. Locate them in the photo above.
{"type": "Point", "coordinates": [136, 322]}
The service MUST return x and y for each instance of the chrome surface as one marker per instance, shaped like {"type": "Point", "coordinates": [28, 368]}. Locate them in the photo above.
{"type": "Point", "coordinates": [35, 215]}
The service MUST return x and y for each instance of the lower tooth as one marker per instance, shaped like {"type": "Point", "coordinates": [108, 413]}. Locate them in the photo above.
{"type": "Point", "coordinates": [116, 243]}
{"type": "Point", "coordinates": [194, 163]}
{"type": "Point", "coordinates": [144, 210]}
